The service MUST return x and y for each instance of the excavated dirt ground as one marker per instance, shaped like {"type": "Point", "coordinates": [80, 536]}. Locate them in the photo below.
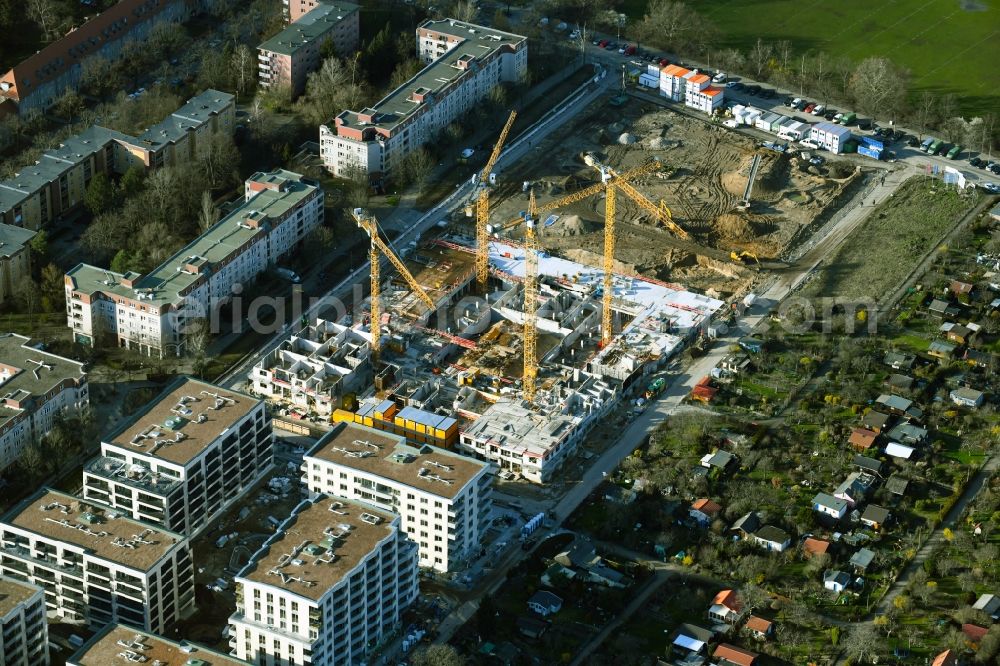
{"type": "Point", "coordinates": [708, 168]}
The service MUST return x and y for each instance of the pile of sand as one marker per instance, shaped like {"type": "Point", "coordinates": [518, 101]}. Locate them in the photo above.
{"type": "Point", "coordinates": [735, 227]}
{"type": "Point", "coordinates": [626, 139]}
{"type": "Point", "coordinates": [657, 143]}
{"type": "Point", "coordinates": [570, 225]}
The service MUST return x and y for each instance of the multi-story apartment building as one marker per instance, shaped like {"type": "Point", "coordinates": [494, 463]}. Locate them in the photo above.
{"type": "Point", "coordinates": [56, 183]}
{"type": "Point", "coordinates": [185, 458]}
{"type": "Point", "coordinates": [35, 386]}
{"type": "Point", "coordinates": [331, 583]}
{"type": "Point", "coordinates": [465, 61]}
{"type": "Point", "coordinates": [444, 499]}
{"type": "Point", "coordinates": [95, 565]}
{"type": "Point", "coordinates": [117, 644]}
{"type": "Point", "coordinates": [38, 81]}
{"type": "Point", "coordinates": [15, 259]}
{"type": "Point", "coordinates": [293, 10]}
{"type": "Point", "coordinates": [286, 59]}
{"type": "Point", "coordinates": [315, 368]}
{"type": "Point", "coordinates": [24, 634]}
{"type": "Point", "coordinates": [156, 313]}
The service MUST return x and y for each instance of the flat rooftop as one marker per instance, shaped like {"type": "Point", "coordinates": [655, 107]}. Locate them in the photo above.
{"type": "Point", "coordinates": [182, 421]}
{"type": "Point", "coordinates": [228, 237]}
{"type": "Point", "coordinates": [13, 239]}
{"type": "Point", "coordinates": [109, 645]}
{"type": "Point", "coordinates": [316, 23]}
{"type": "Point", "coordinates": [427, 468]}
{"type": "Point", "coordinates": [478, 42]}
{"type": "Point", "coordinates": [61, 517]}
{"type": "Point", "coordinates": [521, 430]}
{"type": "Point", "coordinates": [320, 544]}
{"type": "Point", "coordinates": [662, 314]}
{"type": "Point", "coordinates": [26, 373]}
{"type": "Point", "coordinates": [14, 592]}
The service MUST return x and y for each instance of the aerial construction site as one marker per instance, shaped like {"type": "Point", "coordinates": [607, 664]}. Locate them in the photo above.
{"type": "Point", "coordinates": [566, 281]}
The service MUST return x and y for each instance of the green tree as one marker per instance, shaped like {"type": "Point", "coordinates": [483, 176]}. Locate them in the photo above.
{"type": "Point", "coordinates": [39, 244]}
{"type": "Point", "coordinates": [134, 180]}
{"type": "Point", "coordinates": [53, 289]}
{"type": "Point", "coordinates": [121, 261]}
{"type": "Point", "coordinates": [99, 195]}
{"type": "Point", "coordinates": [437, 655]}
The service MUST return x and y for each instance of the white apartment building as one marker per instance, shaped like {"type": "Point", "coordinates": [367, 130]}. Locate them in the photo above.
{"type": "Point", "coordinates": [95, 565]}
{"type": "Point", "coordinates": [185, 458]}
{"type": "Point", "coordinates": [119, 645]}
{"type": "Point", "coordinates": [24, 633]}
{"type": "Point", "coordinates": [465, 61]}
{"type": "Point", "coordinates": [315, 367]}
{"type": "Point", "coordinates": [331, 583]}
{"type": "Point", "coordinates": [154, 313]}
{"type": "Point", "coordinates": [444, 499]}
{"type": "Point", "coordinates": [35, 386]}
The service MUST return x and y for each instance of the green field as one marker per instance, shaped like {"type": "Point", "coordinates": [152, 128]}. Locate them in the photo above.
{"type": "Point", "coordinates": [949, 46]}
{"type": "Point", "coordinates": [891, 241]}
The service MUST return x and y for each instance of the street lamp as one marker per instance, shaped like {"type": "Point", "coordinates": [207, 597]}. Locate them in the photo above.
{"type": "Point", "coordinates": [621, 24]}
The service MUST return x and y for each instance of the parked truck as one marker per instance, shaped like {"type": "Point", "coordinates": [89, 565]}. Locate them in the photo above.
{"type": "Point", "coordinates": [953, 153]}
{"type": "Point", "coordinates": [933, 148]}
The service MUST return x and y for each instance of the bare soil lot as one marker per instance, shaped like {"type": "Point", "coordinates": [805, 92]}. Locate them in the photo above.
{"type": "Point", "coordinates": [705, 172]}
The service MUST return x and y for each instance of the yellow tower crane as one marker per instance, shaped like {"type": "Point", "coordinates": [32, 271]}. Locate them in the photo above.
{"type": "Point", "coordinates": [530, 301]}
{"type": "Point", "coordinates": [486, 179]}
{"type": "Point", "coordinates": [379, 247]}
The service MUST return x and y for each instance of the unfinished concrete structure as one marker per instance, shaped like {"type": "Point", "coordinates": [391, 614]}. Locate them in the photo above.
{"type": "Point", "coordinates": [315, 367]}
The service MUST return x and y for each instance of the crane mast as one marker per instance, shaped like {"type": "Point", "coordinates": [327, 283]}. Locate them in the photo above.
{"type": "Point", "coordinates": [530, 302]}
{"type": "Point", "coordinates": [376, 251]}
{"type": "Point", "coordinates": [483, 207]}
{"type": "Point", "coordinates": [609, 260]}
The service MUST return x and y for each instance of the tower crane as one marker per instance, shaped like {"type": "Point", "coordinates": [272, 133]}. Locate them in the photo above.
{"type": "Point", "coordinates": [368, 222]}
{"type": "Point", "coordinates": [530, 301]}
{"type": "Point", "coordinates": [486, 179]}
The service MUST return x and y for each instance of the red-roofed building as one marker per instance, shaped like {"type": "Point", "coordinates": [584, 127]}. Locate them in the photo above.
{"type": "Point", "coordinates": [691, 87]}
{"type": "Point", "coordinates": [730, 655]}
{"type": "Point", "coordinates": [862, 439]}
{"type": "Point", "coordinates": [946, 658]}
{"type": "Point", "coordinates": [39, 80]}
{"type": "Point", "coordinates": [812, 546]}
{"type": "Point", "coordinates": [974, 632]}
{"type": "Point", "coordinates": [703, 511]}
{"type": "Point", "coordinates": [759, 627]}
{"type": "Point", "coordinates": [726, 607]}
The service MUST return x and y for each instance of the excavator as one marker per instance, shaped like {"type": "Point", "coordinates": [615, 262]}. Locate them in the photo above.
{"type": "Point", "coordinates": [744, 257]}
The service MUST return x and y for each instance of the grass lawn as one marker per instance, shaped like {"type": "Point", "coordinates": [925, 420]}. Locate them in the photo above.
{"type": "Point", "coordinates": [890, 243]}
{"type": "Point", "coordinates": [934, 40]}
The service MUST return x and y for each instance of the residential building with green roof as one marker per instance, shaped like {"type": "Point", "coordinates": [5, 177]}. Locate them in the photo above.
{"type": "Point", "coordinates": [464, 63]}
{"type": "Point", "coordinates": [285, 60]}
{"type": "Point", "coordinates": [154, 313]}
{"type": "Point", "coordinates": [57, 182]}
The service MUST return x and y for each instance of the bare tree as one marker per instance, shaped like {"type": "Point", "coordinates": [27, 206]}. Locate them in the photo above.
{"type": "Point", "coordinates": [760, 56]}
{"type": "Point", "coordinates": [244, 63]}
{"type": "Point", "coordinates": [464, 10]}
{"type": "Point", "coordinates": [209, 214]}
{"type": "Point", "coordinates": [878, 86]}
{"type": "Point", "coordinates": [784, 49]}
{"type": "Point", "coordinates": [860, 642]}
{"type": "Point", "coordinates": [673, 25]}
{"type": "Point", "coordinates": [46, 14]}
{"type": "Point", "coordinates": [926, 110]}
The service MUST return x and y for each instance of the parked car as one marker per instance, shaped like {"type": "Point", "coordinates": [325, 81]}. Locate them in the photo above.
{"type": "Point", "coordinates": [913, 142]}
{"type": "Point", "coordinates": [942, 149]}
{"type": "Point", "coordinates": [736, 86]}
{"type": "Point", "coordinates": [995, 169]}
{"type": "Point", "coordinates": [818, 110]}
{"type": "Point", "coordinates": [801, 104]}
{"type": "Point", "coordinates": [603, 43]}
{"type": "Point", "coordinates": [975, 161]}
{"type": "Point", "coordinates": [611, 46]}
{"type": "Point", "coordinates": [809, 143]}
{"type": "Point", "coordinates": [817, 160]}
{"type": "Point", "coordinates": [992, 188]}
{"type": "Point", "coordinates": [753, 90]}
{"type": "Point", "coordinates": [830, 114]}
{"type": "Point", "coordinates": [809, 107]}
{"type": "Point", "coordinates": [663, 62]}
